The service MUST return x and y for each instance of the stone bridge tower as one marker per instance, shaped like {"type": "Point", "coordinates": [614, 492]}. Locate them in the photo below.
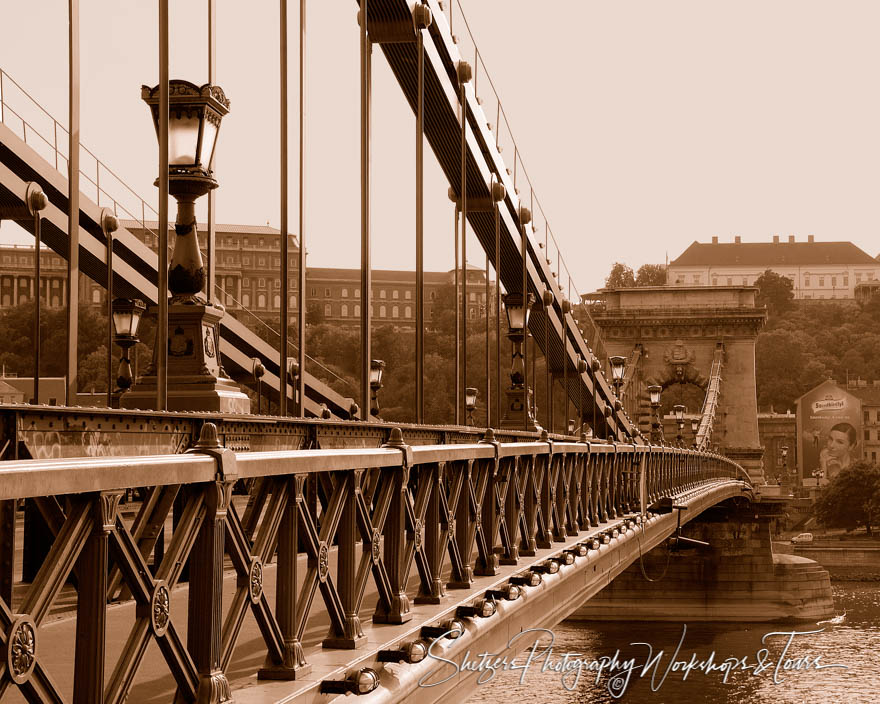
{"type": "Point", "coordinates": [679, 329]}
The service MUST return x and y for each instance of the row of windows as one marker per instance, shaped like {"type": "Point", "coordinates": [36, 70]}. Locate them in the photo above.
{"type": "Point", "coordinates": [356, 293]}
{"type": "Point", "coordinates": [832, 281]}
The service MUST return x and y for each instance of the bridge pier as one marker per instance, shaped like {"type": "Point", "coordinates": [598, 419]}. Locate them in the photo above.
{"type": "Point", "coordinates": [738, 578]}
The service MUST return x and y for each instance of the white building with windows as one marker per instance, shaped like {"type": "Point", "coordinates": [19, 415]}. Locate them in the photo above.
{"type": "Point", "coordinates": [818, 270]}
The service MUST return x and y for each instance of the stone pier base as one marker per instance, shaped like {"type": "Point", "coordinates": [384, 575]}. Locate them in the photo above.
{"type": "Point", "coordinates": [737, 578]}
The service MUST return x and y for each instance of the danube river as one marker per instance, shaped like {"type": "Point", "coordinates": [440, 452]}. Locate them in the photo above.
{"type": "Point", "coordinates": [793, 669]}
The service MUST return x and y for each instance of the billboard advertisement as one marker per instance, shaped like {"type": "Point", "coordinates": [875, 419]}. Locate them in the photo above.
{"type": "Point", "coordinates": [829, 426]}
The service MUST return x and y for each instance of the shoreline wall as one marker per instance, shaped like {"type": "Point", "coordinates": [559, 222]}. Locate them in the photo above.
{"type": "Point", "coordinates": [738, 578]}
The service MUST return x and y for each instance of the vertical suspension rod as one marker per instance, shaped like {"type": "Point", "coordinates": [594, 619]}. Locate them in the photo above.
{"type": "Point", "coordinates": [285, 148]}
{"type": "Point", "coordinates": [109, 236]}
{"type": "Point", "coordinates": [366, 50]}
{"type": "Point", "coordinates": [37, 302]}
{"type": "Point", "coordinates": [488, 364]}
{"type": "Point", "coordinates": [499, 385]}
{"type": "Point", "coordinates": [457, 279]}
{"type": "Point", "coordinates": [300, 393]}
{"type": "Point", "coordinates": [161, 344]}
{"type": "Point", "coordinates": [73, 202]}
{"type": "Point", "coordinates": [212, 228]}
{"type": "Point", "coordinates": [422, 18]}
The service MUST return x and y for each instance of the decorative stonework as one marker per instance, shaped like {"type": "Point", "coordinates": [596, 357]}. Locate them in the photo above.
{"type": "Point", "coordinates": [255, 580]}
{"type": "Point", "coordinates": [160, 609]}
{"type": "Point", "coordinates": [21, 649]}
{"type": "Point", "coordinates": [323, 562]}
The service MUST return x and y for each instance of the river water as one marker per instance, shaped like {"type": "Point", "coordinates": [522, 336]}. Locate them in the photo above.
{"type": "Point", "coordinates": [792, 669]}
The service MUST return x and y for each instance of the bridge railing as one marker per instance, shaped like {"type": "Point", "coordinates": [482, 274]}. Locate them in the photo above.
{"type": "Point", "coordinates": [354, 517]}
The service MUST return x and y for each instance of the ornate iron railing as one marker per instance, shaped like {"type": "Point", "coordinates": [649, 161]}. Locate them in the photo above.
{"type": "Point", "coordinates": [452, 511]}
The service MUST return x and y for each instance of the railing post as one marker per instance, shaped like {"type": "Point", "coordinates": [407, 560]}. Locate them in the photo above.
{"type": "Point", "coordinates": [346, 570]}
{"type": "Point", "coordinates": [435, 539]}
{"type": "Point", "coordinates": [500, 478]}
{"type": "Point", "coordinates": [614, 483]}
{"type": "Point", "coordinates": [463, 530]}
{"type": "Point", "coordinates": [91, 603]}
{"type": "Point", "coordinates": [544, 534]}
{"type": "Point", "coordinates": [7, 549]}
{"type": "Point", "coordinates": [570, 495]}
{"type": "Point", "coordinates": [395, 537]}
{"type": "Point", "coordinates": [204, 614]}
{"type": "Point", "coordinates": [294, 663]}
{"type": "Point", "coordinates": [582, 486]}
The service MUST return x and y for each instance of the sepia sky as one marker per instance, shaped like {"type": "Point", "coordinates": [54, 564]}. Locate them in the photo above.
{"type": "Point", "coordinates": [643, 125]}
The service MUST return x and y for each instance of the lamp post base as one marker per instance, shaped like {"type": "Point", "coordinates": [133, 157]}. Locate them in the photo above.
{"type": "Point", "coordinates": [196, 381]}
{"type": "Point", "coordinates": [518, 414]}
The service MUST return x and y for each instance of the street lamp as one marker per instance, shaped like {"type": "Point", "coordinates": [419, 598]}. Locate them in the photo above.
{"type": "Point", "coordinates": [618, 367]}
{"type": "Point", "coordinates": [377, 369]}
{"type": "Point", "coordinates": [679, 412]}
{"type": "Point", "coordinates": [293, 375]}
{"type": "Point", "coordinates": [257, 369]}
{"type": "Point", "coordinates": [194, 119]}
{"type": "Point", "coordinates": [654, 394]}
{"type": "Point", "coordinates": [784, 450]}
{"type": "Point", "coordinates": [519, 407]}
{"type": "Point", "coordinates": [695, 426]}
{"type": "Point", "coordinates": [195, 377]}
{"type": "Point", "coordinates": [127, 314]}
{"type": "Point", "coordinates": [470, 403]}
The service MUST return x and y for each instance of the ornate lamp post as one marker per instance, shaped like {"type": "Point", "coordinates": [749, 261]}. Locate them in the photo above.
{"type": "Point", "coordinates": [618, 367]}
{"type": "Point", "coordinates": [258, 370]}
{"type": "Point", "coordinates": [784, 450]}
{"type": "Point", "coordinates": [679, 412]}
{"type": "Point", "coordinates": [293, 376]}
{"type": "Point", "coordinates": [654, 394]}
{"type": "Point", "coordinates": [695, 427]}
{"type": "Point", "coordinates": [377, 369]}
{"type": "Point", "coordinates": [470, 403]}
{"type": "Point", "coordinates": [518, 414]}
{"type": "Point", "coordinates": [126, 319]}
{"type": "Point", "coordinates": [196, 379]}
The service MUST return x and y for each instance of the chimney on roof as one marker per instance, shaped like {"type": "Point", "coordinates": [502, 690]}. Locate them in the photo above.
{"type": "Point", "coordinates": [714, 239]}
{"type": "Point", "coordinates": [791, 238]}
{"type": "Point", "coordinates": [775, 239]}
{"type": "Point", "coordinates": [737, 239]}
{"type": "Point", "coordinates": [810, 238]}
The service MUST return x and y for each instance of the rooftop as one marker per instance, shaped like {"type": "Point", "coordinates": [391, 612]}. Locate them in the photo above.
{"type": "Point", "coordinates": [772, 254]}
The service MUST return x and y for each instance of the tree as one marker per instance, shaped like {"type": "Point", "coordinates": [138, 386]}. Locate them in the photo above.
{"type": "Point", "coordinates": [621, 276]}
{"type": "Point", "coordinates": [852, 499]}
{"type": "Point", "coordinates": [651, 275]}
{"type": "Point", "coordinates": [774, 291]}
{"type": "Point", "coordinates": [314, 314]}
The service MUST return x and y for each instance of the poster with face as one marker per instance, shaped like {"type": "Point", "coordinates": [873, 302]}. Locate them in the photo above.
{"type": "Point", "coordinates": [829, 425]}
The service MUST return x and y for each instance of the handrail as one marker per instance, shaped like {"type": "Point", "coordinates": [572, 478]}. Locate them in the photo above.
{"type": "Point", "coordinates": [30, 478]}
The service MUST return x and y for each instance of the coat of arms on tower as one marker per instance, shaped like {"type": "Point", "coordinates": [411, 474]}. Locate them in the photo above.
{"type": "Point", "coordinates": [679, 358]}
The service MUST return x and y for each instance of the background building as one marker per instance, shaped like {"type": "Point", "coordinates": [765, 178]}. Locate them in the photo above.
{"type": "Point", "coordinates": [868, 392]}
{"type": "Point", "coordinates": [817, 270]}
{"type": "Point", "coordinates": [248, 280]}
